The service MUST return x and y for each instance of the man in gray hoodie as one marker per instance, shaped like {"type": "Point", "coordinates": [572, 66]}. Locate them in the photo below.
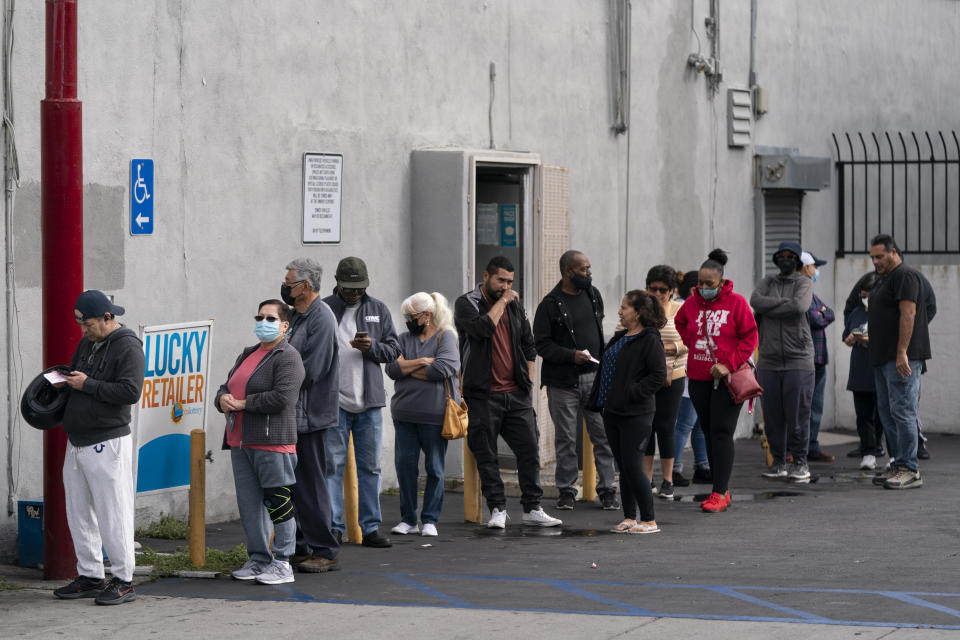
{"type": "Point", "coordinates": [785, 369]}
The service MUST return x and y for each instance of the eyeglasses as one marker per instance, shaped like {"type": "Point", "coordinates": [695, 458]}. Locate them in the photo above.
{"type": "Point", "coordinates": [267, 318]}
{"type": "Point", "coordinates": [658, 289]}
{"type": "Point", "coordinates": [293, 284]}
{"type": "Point", "coordinates": [412, 316]}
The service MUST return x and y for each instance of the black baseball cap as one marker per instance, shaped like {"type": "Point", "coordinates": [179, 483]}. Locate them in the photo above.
{"type": "Point", "coordinates": [93, 304]}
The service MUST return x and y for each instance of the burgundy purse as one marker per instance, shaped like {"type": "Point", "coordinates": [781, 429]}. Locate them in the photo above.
{"type": "Point", "coordinates": [742, 384]}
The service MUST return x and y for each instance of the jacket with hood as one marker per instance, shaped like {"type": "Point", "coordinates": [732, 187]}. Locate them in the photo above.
{"type": "Point", "coordinates": [373, 317]}
{"type": "Point", "coordinates": [556, 340]}
{"type": "Point", "coordinates": [100, 410]}
{"type": "Point", "coordinates": [780, 304]}
{"type": "Point", "coordinates": [313, 334]}
{"type": "Point", "coordinates": [475, 329]}
{"type": "Point", "coordinates": [731, 326]}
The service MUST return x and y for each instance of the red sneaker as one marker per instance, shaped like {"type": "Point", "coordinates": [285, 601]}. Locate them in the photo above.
{"type": "Point", "coordinates": [727, 497]}
{"type": "Point", "coordinates": [715, 503]}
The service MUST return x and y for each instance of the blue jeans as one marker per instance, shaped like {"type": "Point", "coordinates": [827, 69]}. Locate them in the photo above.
{"type": "Point", "coordinates": [367, 429]}
{"type": "Point", "coordinates": [410, 438]}
{"type": "Point", "coordinates": [897, 403]}
{"type": "Point", "coordinates": [816, 406]}
{"type": "Point", "coordinates": [689, 426]}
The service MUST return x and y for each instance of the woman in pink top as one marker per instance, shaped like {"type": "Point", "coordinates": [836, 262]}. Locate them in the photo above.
{"type": "Point", "coordinates": [259, 400]}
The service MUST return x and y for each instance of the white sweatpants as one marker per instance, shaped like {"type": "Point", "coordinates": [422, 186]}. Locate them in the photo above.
{"type": "Point", "coordinates": [98, 486]}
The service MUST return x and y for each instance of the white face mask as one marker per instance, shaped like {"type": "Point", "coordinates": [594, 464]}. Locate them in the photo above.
{"type": "Point", "coordinates": [866, 302]}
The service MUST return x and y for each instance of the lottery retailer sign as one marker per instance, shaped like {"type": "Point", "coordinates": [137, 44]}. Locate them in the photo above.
{"type": "Point", "coordinates": [176, 384]}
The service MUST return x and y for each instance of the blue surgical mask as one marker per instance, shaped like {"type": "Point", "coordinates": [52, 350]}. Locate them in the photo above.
{"type": "Point", "coordinates": [709, 294]}
{"type": "Point", "coordinates": [816, 275]}
{"type": "Point", "coordinates": [267, 331]}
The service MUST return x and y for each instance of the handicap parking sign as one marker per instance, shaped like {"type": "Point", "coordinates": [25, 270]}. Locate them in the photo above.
{"type": "Point", "coordinates": [141, 197]}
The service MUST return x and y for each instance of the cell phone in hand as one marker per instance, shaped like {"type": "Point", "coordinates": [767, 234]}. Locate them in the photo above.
{"type": "Point", "coordinates": [360, 335]}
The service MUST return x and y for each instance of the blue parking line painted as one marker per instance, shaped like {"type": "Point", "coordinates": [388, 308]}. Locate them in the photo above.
{"type": "Point", "coordinates": [569, 588]}
{"type": "Point", "coordinates": [406, 580]}
{"type": "Point", "coordinates": [733, 593]}
{"type": "Point", "coordinates": [910, 599]}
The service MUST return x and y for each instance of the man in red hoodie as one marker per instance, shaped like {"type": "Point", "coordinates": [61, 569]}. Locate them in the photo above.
{"type": "Point", "coordinates": [718, 328]}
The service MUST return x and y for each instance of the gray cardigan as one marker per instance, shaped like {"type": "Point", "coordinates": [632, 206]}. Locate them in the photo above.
{"type": "Point", "coordinates": [424, 401]}
{"type": "Point", "coordinates": [780, 305]}
{"type": "Point", "coordinates": [270, 416]}
{"type": "Point", "coordinates": [314, 334]}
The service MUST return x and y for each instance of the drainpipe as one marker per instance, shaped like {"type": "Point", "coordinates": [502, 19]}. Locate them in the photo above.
{"type": "Point", "coordinates": [61, 180]}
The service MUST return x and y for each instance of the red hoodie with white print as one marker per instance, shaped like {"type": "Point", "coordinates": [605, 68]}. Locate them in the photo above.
{"type": "Point", "coordinates": [731, 326]}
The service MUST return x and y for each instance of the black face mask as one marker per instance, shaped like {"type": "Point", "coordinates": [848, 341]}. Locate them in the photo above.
{"type": "Point", "coordinates": [787, 265]}
{"type": "Point", "coordinates": [415, 327]}
{"type": "Point", "coordinates": [285, 294]}
{"type": "Point", "coordinates": [581, 282]}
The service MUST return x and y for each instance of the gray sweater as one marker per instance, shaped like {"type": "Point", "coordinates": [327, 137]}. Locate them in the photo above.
{"type": "Point", "coordinates": [423, 401]}
{"type": "Point", "coordinates": [780, 305]}
{"type": "Point", "coordinates": [313, 334]}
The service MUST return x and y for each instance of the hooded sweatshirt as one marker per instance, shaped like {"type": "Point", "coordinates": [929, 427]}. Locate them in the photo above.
{"type": "Point", "coordinates": [781, 304]}
{"type": "Point", "coordinates": [731, 327]}
{"type": "Point", "coordinates": [100, 410]}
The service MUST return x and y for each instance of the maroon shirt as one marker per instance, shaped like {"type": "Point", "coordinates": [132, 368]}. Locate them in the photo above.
{"type": "Point", "coordinates": [502, 361]}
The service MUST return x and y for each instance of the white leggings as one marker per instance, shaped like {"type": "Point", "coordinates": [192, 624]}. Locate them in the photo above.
{"type": "Point", "coordinates": [98, 486]}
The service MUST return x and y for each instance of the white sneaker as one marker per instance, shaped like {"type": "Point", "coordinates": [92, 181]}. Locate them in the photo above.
{"type": "Point", "coordinates": [541, 519]}
{"type": "Point", "coordinates": [250, 570]}
{"type": "Point", "coordinates": [277, 572]}
{"type": "Point", "coordinates": [868, 462]}
{"type": "Point", "coordinates": [498, 519]}
{"type": "Point", "coordinates": [429, 530]}
{"type": "Point", "coordinates": [403, 529]}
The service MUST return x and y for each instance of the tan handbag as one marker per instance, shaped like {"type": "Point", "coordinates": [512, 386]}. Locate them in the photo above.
{"type": "Point", "coordinates": [454, 415]}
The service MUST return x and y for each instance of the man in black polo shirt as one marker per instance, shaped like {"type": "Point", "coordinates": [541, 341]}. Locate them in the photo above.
{"type": "Point", "coordinates": [899, 345]}
{"type": "Point", "coordinates": [568, 330]}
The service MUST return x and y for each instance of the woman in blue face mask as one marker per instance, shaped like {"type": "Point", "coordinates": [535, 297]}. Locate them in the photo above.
{"type": "Point", "coordinates": [259, 400]}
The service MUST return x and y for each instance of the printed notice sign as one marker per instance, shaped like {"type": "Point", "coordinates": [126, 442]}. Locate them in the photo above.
{"type": "Point", "coordinates": [322, 176]}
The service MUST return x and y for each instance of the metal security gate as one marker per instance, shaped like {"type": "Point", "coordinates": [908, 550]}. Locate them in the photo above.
{"type": "Point", "coordinates": [906, 186]}
{"type": "Point", "coordinates": [781, 222]}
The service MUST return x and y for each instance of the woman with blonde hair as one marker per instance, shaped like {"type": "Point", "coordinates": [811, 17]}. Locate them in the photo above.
{"type": "Point", "coordinates": [423, 374]}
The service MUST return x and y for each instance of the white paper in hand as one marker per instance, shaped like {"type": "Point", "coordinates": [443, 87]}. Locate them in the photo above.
{"type": "Point", "coordinates": [592, 359]}
{"type": "Point", "coordinates": [54, 377]}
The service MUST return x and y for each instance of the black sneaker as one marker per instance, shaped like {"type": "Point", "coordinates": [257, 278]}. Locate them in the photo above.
{"type": "Point", "coordinates": [375, 539]}
{"type": "Point", "coordinates": [565, 502]}
{"type": "Point", "coordinates": [81, 587]}
{"type": "Point", "coordinates": [338, 535]}
{"type": "Point", "coordinates": [666, 490]}
{"type": "Point", "coordinates": [922, 452]}
{"type": "Point", "coordinates": [679, 480]}
{"type": "Point", "coordinates": [702, 475]}
{"type": "Point", "coordinates": [117, 592]}
{"type": "Point", "coordinates": [855, 453]}
{"type": "Point", "coordinates": [609, 501]}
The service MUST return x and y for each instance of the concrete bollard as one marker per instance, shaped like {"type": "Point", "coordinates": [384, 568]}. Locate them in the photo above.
{"type": "Point", "coordinates": [351, 502]}
{"type": "Point", "coordinates": [198, 490]}
{"type": "Point", "coordinates": [589, 466]}
{"type": "Point", "coordinates": [472, 511]}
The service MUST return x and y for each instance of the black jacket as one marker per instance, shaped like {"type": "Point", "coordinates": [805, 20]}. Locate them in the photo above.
{"type": "Point", "coordinates": [476, 343]}
{"type": "Point", "coordinates": [555, 338]}
{"type": "Point", "coordinates": [640, 371]}
{"type": "Point", "coordinates": [271, 393]}
{"type": "Point", "coordinates": [100, 410]}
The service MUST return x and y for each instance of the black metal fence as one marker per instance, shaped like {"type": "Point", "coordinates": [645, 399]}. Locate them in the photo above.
{"type": "Point", "coordinates": [904, 185]}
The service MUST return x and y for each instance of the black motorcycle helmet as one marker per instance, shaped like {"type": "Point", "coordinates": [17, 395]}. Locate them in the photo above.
{"type": "Point", "coordinates": [43, 405]}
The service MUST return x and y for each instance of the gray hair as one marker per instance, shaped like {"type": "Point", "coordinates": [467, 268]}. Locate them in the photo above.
{"type": "Point", "coordinates": [307, 269]}
{"type": "Point", "coordinates": [566, 260]}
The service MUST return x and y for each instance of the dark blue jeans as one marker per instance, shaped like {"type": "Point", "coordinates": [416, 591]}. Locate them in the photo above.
{"type": "Point", "coordinates": [410, 438]}
{"type": "Point", "coordinates": [816, 406]}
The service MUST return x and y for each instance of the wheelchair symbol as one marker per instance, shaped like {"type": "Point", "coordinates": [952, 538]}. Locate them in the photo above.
{"type": "Point", "coordinates": [140, 186]}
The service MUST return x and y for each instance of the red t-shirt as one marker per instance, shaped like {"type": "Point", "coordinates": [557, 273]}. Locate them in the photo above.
{"type": "Point", "coordinates": [237, 386]}
{"type": "Point", "coordinates": [502, 365]}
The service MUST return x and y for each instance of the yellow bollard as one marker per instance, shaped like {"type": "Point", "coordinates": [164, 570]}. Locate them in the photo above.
{"type": "Point", "coordinates": [589, 467]}
{"type": "Point", "coordinates": [198, 486]}
{"type": "Point", "coordinates": [350, 500]}
{"type": "Point", "coordinates": [472, 511]}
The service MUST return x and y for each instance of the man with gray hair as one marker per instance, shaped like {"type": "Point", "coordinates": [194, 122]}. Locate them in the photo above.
{"type": "Point", "coordinates": [313, 332]}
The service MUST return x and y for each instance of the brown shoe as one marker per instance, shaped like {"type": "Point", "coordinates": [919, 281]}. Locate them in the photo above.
{"type": "Point", "coordinates": [300, 557]}
{"type": "Point", "coordinates": [316, 564]}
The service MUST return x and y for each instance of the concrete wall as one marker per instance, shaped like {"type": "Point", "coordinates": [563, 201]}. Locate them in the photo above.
{"type": "Point", "coordinates": [225, 97]}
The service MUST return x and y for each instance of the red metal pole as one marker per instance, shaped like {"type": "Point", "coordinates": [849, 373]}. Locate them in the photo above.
{"type": "Point", "coordinates": [61, 179]}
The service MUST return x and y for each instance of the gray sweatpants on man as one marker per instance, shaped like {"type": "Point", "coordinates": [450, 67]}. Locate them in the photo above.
{"type": "Point", "coordinates": [566, 405]}
{"type": "Point", "coordinates": [787, 397]}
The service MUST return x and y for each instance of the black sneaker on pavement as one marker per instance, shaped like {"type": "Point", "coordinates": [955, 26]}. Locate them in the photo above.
{"type": "Point", "coordinates": [609, 501]}
{"type": "Point", "coordinates": [565, 502]}
{"type": "Point", "coordinates": [375, 539]}
{"type": "Point", "coordinates": [666, 490]}
{"type": "Point", "coordinates": [922, 452]}
{"type": "Point", "coordinates": [855, 453]}
{"type": "Point", "coordinates": [81, 587]}
{"type": "Point", "coordinates": [679, 480]}
{"type": "Point", "coordinates": [702, 475]}
{"type": "Point", "coordinates": [881, 478]}
{"type": "Point", "coordinates": [117, 592]}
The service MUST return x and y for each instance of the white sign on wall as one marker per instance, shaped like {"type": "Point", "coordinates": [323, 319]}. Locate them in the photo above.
{"type": "Point", "coordinates": [322, 175]}
{"type": "Point", "coordinates": [176, 385]}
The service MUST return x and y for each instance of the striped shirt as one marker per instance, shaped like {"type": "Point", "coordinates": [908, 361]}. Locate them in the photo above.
{"type": "Point", "coordinates": [676, 365]}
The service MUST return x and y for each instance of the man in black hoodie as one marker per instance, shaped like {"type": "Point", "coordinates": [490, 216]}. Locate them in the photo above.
{"type": "Point", "coordinates": [106, 377]}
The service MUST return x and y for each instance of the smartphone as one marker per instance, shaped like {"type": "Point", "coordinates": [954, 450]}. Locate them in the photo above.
{"type": "Point", "coordinates": [359, 334]}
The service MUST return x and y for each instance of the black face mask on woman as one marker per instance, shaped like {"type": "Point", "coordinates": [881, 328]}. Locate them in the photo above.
{"type": "Point", "coordinates": [787, 265]}
{"type": "Point", "coordinates": [414, 327]}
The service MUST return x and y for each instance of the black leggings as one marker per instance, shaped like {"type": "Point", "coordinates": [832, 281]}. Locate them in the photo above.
{"type": "Point", "coordinates": [718, 418]}
{"type": "Point", "coordinates": [665, 420]}
{"type": "Point", "coordinates": [628, 436]}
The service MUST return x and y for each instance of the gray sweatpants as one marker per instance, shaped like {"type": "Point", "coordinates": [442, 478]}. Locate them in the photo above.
{"type": "Point", "coordinates": [787, 397]}
{"type": "Point", "coordinates": [253, 471]}
{"type": "Point", "coordinates": [566, 406]}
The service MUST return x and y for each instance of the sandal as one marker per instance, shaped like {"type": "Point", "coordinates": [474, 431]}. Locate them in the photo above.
{"type": "Point", "coordinates": [624, 526]}
{"type": "Point", "coordinates": [643, 527]}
